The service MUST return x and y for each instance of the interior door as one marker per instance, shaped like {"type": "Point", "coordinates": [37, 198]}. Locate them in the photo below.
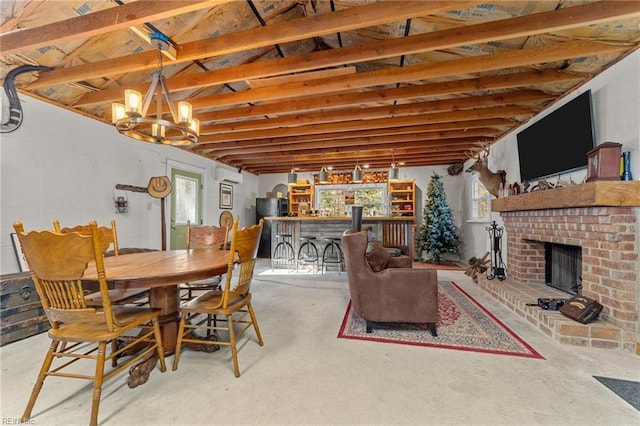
{"type": "Point", "coordinates": [186, 205]}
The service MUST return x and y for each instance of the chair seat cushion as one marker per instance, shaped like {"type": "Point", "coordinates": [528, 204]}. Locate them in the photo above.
{"type": "Point", "coordinates": [377, 257]}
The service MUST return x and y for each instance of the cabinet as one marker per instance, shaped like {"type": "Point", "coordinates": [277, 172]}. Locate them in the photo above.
{"type": "Point", "coordinates": [402, 197]}
{"type": "Point", "coordinates": [300, 193]}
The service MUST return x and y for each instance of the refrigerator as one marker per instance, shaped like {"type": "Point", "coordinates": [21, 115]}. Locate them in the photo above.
{"type": "Point", "coordinates": [269, 207]}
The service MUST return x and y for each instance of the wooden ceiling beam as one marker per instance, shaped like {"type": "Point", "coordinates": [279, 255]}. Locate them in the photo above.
{"type": "Point", "coordinates": [528, 25]}
{"type": "Point", "coordinates": [374, 159]}
{"type": "Point", "coordinates": [470, 65]}
{"type": "Point", "coordinates": [99, 22]}
{"type": "Point", "coordinates": [415, 108]}
{"type": "Point", "coordinates": [386, 123]}
{"type": "Point", "coordinates": [348, 150]}
{"type": "Point", "coordinates": [322, 138]}
{"type": "Point", "coordinates": [288, 31]}
{"type": "Point", "coordinates": [369, 153]}
{"type": "Point", "coordinates": [305, 147]}
{"type": "Point", "coordinates": [329, 102]}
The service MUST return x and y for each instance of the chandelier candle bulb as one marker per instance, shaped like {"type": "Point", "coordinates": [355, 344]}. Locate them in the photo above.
{"type": "Point", "coordinates": [117, 112]}
{"type": "Point", "coordinates": [157, 130]}
{"type": "Point", "coordinates": [184, 112]}
{"type": "Point", "coordinates": [194, 125]}
{"type": "Point", "coordinates": [132, 102]}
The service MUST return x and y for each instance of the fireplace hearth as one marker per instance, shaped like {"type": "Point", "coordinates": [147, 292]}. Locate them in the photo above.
{"type": "Point", "coordinates": [589, 232]}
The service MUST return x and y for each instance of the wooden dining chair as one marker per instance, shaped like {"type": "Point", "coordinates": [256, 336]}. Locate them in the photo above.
{"type": "Point", "coordinates": [204, 236]}
{"type": "Point", "coordinates": [108, 240]}
{"type": "Point", "coordinates": [57, 263]}
{"type": "Point", "coordinates": [232, 304]}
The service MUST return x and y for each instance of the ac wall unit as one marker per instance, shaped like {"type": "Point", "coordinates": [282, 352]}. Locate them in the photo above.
{"type": "Point", "coordinates": [226, 175]}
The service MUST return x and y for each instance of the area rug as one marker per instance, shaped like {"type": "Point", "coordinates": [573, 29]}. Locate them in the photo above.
{"type": "Point", "coordinates": [464, 324]}
{"type": "Point", "coordinates": [625, 389]}
{"type": "Point", "coordinates": [441, 266]}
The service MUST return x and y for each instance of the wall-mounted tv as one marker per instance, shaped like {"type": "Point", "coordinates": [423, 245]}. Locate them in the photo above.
{"type": "Point", "coordinates": [559, 142]}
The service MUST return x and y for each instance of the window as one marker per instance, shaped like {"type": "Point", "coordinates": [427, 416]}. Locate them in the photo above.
{"type": "Point", "coordinates": [480, 200]}
{"type": "Point", "coordinates": [338, 200]}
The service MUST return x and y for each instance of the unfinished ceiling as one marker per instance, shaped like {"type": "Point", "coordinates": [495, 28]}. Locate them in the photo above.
{"type": "Point", "coordinates": [317, 82]}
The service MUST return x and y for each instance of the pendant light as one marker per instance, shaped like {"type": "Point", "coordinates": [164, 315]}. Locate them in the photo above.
{"type": "Point", "coordinates": [393, 172]}
{"type": "Point", "coordinates": [357, 171]}
{"type": "Point", "coordinates": [292, 176]}
{"type": "Point", "coordinates": [131, 118]}
{"type": "Point", "coordinates": [323, 176]}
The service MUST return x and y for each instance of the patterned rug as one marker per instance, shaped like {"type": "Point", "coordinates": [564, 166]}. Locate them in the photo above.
{"type": "Point", "coordinates": [464, 324]}
{"type": "Point", "coordinates": [442, 266]}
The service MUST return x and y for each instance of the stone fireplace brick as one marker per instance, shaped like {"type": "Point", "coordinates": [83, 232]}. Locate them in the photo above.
{"type": "Point", "coordinates": [610, 260]}
{"type": "Point", "coordinates": [603, 219]}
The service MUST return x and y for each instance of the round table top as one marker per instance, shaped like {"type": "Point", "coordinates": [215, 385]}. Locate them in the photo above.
{"type": "Point", "coordinates": [161, 268]}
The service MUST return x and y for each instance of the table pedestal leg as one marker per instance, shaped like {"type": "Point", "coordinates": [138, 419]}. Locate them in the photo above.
{"type": "Point", "coordinates": [167, 299]}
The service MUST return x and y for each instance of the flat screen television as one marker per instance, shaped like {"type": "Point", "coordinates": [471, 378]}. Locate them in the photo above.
{"type": "Point", "coordinates": [559, 142]}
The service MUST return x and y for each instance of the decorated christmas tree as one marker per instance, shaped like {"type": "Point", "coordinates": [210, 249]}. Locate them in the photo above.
{"type": "Point", "coordinates": [438, 232]}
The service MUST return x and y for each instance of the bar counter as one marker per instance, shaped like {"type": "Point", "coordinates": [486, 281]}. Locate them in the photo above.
{"type": "Point", "coordinates": [391, 231]}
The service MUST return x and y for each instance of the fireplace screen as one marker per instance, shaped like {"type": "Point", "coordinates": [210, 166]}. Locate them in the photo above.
{"type": "Point", "coordinates": [563, 267]}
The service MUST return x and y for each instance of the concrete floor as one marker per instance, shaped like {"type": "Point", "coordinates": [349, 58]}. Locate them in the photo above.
{"type": "Point", "coordinates": [306, 375]}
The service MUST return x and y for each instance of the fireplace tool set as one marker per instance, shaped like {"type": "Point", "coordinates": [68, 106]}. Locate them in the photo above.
{"type": "Point", "coordinates": [497, 265]}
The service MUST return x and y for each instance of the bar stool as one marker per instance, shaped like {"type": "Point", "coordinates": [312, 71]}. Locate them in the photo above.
{"type": "Point", "coordinates": [308, 252]}
{"type": "Point", "coordinates": [283, 253]}
{"type": "Point", "coordinates": [332, 254]}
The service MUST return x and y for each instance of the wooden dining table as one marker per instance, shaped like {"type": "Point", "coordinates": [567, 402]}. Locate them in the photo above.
{"type": "Point", "coordinates": [161, 272]}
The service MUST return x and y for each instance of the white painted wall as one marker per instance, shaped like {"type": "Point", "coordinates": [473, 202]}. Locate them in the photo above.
{"type": "Point", "coordinates": [60, 165]}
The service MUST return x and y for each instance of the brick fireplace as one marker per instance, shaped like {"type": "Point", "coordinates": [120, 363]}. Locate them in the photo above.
{"type": "Point", "coordinates": [602, 218]}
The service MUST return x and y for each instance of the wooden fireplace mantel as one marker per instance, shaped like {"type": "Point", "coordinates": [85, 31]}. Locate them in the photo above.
{"type": "Point", "coordinates": [590, 194]}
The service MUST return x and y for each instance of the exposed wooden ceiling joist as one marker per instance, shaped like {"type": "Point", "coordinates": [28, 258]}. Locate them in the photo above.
{"type": "Point", "coordinates": [432, 80]}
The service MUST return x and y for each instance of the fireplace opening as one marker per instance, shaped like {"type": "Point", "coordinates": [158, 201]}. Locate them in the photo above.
{"type": "Point", "coordinates": [563, 267]}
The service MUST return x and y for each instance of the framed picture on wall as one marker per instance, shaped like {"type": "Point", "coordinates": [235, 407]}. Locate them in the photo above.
{"type": "Point", "coordinates": [226, 196]}
{"type": "Point", "coordinates": [17, 247]}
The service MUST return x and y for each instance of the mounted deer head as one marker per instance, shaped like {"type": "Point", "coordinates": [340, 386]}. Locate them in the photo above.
{"type": "Point", "coordinates": [493, 182]}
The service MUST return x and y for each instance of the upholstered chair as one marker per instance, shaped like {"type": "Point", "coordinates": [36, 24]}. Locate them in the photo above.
{"type": "Point", "coordinates": [390, 291]}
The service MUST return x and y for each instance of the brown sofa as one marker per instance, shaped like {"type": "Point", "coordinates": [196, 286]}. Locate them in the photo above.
{"type": "Point", "coordinates": [397, 293]}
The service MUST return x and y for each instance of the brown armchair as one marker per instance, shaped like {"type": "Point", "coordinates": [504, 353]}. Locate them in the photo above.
{"type": "Point", "coordinates": [394, 294]}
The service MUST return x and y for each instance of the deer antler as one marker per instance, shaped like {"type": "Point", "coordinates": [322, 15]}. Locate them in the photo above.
{"type": "Point", "coordinates": [486, 149]}
{"type": "Point", "coordinates": [478, 155]}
